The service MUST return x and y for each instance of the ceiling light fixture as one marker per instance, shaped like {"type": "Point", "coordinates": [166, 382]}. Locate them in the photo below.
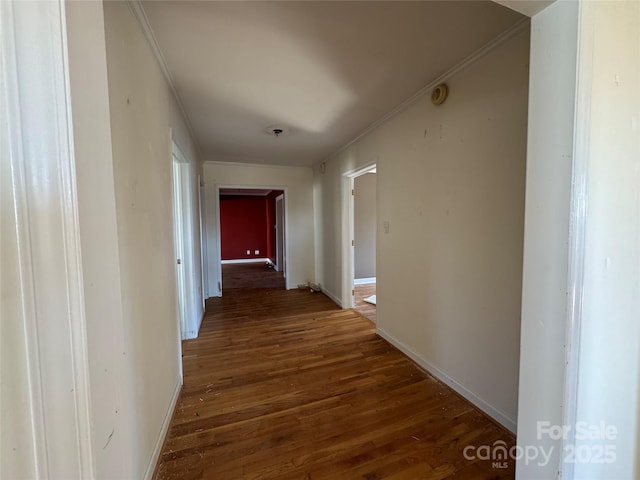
{"type": "Point", "coordinates": [277, 130]}
{"type": "Point", "coordinates": [439, 94]}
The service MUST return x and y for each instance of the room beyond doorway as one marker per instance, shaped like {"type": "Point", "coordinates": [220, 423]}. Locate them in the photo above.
{"type": "Point", "coordinates": [252, 238]}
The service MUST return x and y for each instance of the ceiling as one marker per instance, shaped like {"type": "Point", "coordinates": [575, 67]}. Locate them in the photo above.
{"type": "Point", "coordinates": [322, 71]}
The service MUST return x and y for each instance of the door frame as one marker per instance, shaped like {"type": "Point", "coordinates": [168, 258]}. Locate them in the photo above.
{"type": "Point", "coordinates": [278, 267]}
{"type": "Point", "coordinates": [348, 231]}
{"type": "Point", "coordinates": [216, 259]}
{"type": "Point", "coordinates": [203, 241]}
{"type": "Point", "coordinates": [49, 292]}
{"type": "Point", "coordinates": [183, 237]}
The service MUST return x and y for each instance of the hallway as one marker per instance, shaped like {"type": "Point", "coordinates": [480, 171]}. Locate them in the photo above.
{"type": "Point", "coordinates": [283, 384]}
{"type": "Point", "coordinates": [251, 275]}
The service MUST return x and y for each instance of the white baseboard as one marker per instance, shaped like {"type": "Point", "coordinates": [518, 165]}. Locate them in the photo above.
{"type": "Point", "coordinates": [509, 423]}
{"type": "Point", "coordinates": [148, 474]}
{"type": "Point", "coordinates": [332, 297]}
{"type": "Point", "coordinates": [364, 281]}
{"type": "Point", "coordinates": [245, 260]}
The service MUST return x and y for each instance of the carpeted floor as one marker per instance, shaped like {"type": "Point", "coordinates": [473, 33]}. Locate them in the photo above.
{"type": "Point", "coordinates": [251, 275]}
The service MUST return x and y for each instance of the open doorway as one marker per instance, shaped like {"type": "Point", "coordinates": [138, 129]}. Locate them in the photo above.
{"type": "Point", "coordinates": [184, 246]}
{"type": "Point", "coordinates": [252, 238]}
{"type": "Point", "coordinates": [360, 274]}
{"type": "Point", "coordinates": [364, 248]}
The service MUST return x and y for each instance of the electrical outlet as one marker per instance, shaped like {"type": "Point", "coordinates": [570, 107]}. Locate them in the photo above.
{"type": "Point", "coordinates": [386, 226]}
{"type": "Point", "coordinates": [257, 252]}
{"type": "Point", "coordinates": [248, 252]}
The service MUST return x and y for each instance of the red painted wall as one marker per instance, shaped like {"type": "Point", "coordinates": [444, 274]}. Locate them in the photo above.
{"type": "Point", "coordinates": [243, 221]}
{"type": "Point", "coordinates": [248, 223]}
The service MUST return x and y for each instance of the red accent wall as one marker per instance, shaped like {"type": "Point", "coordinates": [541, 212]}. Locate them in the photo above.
{"type": "Point", "coordinates": [248, 223]}
{"type": "Point", "coordinates": [243, 222]}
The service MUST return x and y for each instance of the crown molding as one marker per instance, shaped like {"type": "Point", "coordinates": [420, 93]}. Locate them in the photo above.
{"type": "Point", "coordinates": [141, 16]}
{"type": "Point", "coordinates": [252, 165]}
{"type": "Point", "coordinates": [505, 36]}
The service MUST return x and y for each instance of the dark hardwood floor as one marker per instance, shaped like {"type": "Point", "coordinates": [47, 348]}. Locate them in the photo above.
{"type": "Point", "coordinates": [250, 275]}
{"type": "Point", "coordinates": [285, 385]}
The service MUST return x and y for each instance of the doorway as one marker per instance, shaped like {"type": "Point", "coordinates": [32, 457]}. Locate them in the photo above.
{"type": "Point", "coordinates": [184, 246]}
{"type": "Point", "coordinates": [252, 238]}
{"type": "Point", "coordinates": [364, 248]}
{"type": "Point", "coordinates": [359, 274]}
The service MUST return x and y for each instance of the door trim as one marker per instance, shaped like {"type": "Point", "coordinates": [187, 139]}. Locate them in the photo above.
{"type": "Point", "coordinates": [216, 260]}
{"type": "Point", "coordinates": [279, 267]}
{"type": "Point", "coordinates": [45, 205]}
{"type": "Point", "coordinates": [348, 232]}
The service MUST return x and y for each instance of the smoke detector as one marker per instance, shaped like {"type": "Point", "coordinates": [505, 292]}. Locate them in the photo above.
{"type": "Point", "coordinates": [277, 130]}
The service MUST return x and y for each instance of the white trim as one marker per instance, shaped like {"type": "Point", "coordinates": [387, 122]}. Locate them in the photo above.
{"type": "Point", "coordinates": [78, 321]}
{"type": "Point", "coordinates": [577, 231]}
{"type": "Point", "coordinates": [364, 281]}
{"type": "Point", "coordinates": [465, 63]}
{"type": "Point", "coordinates": [244, 260]}
{"type": "Point", "coordinates": [204, 222]}
{"type": "Point", "coordinates": [189, 189]}
{"type": "Point", "coordinates": [277, 266]}
{"type": "Point", "coordinates": [166, 423]}
{"type": "Point", "coordinates": [483, 405]}
{"type": "Point", "coordinates": [252, 165]}
{"type": "Point", "coordinates": [217, 240]}
{"type": "Point", "coordinates": [203, 255]}
{"type": "Point", "coordinates": [178, 246]}
{"type": "Point", "coordinates": [348, 231]}
{"type": "Point", "coordinates": [36, 87]}
{"type": "Point", "coordinates": [176, 150]}
{"type": "Point", "coordinates": [211, 267]}
{"type": "Point", "coordinates": [11, 144]}
{"type": "Point", "coordinates": [138, 12]}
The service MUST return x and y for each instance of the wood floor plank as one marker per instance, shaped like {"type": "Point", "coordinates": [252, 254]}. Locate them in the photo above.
{"type": "Point", "coordinates": [285, 385]}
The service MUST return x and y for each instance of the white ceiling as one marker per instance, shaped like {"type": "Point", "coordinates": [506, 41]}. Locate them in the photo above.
{"type": "Point", "coordinates": [324, 70]}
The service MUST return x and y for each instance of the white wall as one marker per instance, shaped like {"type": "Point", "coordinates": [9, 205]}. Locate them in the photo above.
{"type": "Point", "coordinates": [546, 252]}
{"type": "Point", "coordinates": [365, 225]}
{"type": "Point", "coordinates": [451, 185]}
{"type": "Point", "coordinates": [298, 182]}
{"type": "Point", "coordinates": [110, 378]}
{"type": "Point", "coordinates": [142, 113]}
